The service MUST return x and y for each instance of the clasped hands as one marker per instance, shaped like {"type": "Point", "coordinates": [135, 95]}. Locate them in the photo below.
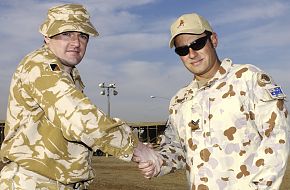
{"type": "Point", "coordinates": [149, 161]}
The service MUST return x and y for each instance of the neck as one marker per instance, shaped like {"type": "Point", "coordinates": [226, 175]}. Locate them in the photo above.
{"type": "Point", "coordinates": [67, 69]}
{"type": "Point", "coordinates": [209, 74]}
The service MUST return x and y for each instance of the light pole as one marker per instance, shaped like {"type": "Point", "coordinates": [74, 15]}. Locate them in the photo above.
{"type": "Point", "coordinates": [106, 91]}
{"type": "Point", "coordinates": [159, 97]}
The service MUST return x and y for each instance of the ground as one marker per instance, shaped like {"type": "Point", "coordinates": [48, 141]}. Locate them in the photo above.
{"type": "Point", "coordinates": [113, 174]}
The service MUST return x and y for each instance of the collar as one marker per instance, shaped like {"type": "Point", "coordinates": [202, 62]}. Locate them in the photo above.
{"type": "Point", "coordinates": [189, 91]}
{"type": "Point", "coordinates": [56, 65]}
{"type": "Point", "coordinates": [222, 72]}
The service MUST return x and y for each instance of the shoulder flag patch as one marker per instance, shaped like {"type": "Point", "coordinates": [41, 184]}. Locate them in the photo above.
{"type": "Point", "coordinates": [276, 92]}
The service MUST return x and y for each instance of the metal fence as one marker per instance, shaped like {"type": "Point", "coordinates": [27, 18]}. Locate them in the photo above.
{"type": "Point", "coordinates": [147, 131]}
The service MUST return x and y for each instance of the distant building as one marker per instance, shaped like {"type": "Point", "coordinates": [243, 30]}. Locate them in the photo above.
{"type": "Point", "coordinates": [147, 132]}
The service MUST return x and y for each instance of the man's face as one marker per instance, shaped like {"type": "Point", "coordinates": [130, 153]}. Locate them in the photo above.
{"type": "Point", "coordinates": [69, 47]}
{"type": "Point", "coordinates": [203, 63]}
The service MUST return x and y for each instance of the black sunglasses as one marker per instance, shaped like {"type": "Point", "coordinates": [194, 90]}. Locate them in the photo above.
{"type": "Point", "coordinates": [195, 45]}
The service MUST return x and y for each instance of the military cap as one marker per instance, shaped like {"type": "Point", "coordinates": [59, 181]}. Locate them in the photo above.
{"type": "Point", "coordinates": [68, 17]}
{"type": "Point", "coordinates": [189, 23]}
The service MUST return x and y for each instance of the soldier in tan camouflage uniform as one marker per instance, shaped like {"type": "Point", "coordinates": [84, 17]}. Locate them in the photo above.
{"type": "Point", "coordinates": [52, 128]}
{"type": "Point", "coordinates": [229, 127]}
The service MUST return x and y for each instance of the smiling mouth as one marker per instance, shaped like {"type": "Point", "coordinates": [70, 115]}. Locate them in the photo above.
{"type": "Point", "coordinates": [73, 51]}
{"type": "Point", "coordinates": [197, 62]}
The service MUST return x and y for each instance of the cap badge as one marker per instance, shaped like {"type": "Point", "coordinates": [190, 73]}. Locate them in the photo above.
{"type": "Point", "coordinates": [181, 23]}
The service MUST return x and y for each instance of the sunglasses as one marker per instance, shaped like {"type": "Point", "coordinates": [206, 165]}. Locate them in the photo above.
{"type": "Point", "coordinates": [195, 45]}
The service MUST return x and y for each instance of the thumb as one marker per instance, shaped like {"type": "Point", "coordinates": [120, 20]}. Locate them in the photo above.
{"type": "Point", "coordinates": [136, 159]}
{"type": "Point", "coordinates": [149, 145]}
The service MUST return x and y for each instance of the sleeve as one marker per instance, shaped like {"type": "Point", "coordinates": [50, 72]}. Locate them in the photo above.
{"type": "Point", "coordinates": [171, 150]}
{"type": "Point", "coordinates": [79, 119]}
{"type": "Point", "coordinates": [273, 126]}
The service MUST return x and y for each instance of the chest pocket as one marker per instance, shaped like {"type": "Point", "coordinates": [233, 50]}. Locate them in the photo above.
{"type": "Point", "coordinates": [192, 116]}
{"type": "Point", "coordinates": [232, 124]}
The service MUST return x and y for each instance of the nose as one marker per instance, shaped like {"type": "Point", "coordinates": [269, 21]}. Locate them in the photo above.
{"type": "Point", "coordinates": [192, 53]}
{"type": "Point", "coordinates": [75, 39]}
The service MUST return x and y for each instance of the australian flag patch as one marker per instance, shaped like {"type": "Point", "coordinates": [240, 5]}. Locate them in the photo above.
{"type": "Point", "coordinates": [276, 92]}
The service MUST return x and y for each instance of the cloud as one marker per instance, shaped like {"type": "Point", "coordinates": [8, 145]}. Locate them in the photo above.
{"type": "Point", "coordinates": [132, 50]}
{"type": "Point", "coordinates": [126, 45]}
{"type": "Point", "coordinates": [136, 81]}
{"type": "Point", "coordinates": [252, 11]}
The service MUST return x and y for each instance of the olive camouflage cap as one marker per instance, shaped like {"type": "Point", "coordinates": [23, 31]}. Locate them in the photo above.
{"type": "Point", "coordinates": [68, 17]}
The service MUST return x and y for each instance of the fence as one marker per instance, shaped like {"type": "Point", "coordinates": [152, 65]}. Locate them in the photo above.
{"type": "Point", "coordinates": [146, 131]}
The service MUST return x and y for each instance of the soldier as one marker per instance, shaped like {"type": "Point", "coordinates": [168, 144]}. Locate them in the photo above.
{"type": "Point", "coordinates": [228, 128]}
{"type": "Point", "coordinates": [52, 128]}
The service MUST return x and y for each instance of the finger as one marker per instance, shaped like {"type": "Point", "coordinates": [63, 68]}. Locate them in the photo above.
{"type": "Point", "coordinates": [146, 164]}
{"type": "Point", "coordinates": [149, 145]}
{"type": "Point", "coordinates": [137, 152]}
{"type": "Point", "coordinates": [149, 174]}
{"type": "Point", "coordinates": [147, 177]}
{"type": "Point", "coordinates": [148, 170]}
{"type": "Point", "coordinates": [136, 159]}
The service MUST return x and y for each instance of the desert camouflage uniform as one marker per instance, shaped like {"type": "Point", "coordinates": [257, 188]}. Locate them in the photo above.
{"type": "Point", "coordinates": [52, 128]}
{"type": "Point", "coordinates": [230, 134]}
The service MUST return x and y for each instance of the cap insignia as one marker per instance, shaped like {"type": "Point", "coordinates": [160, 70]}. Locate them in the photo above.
{"type": "Point", "coordinates": [181, 23]}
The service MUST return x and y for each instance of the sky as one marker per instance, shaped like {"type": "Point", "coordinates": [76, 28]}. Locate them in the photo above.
{"type": "Point", "coordinates": [132, 50]}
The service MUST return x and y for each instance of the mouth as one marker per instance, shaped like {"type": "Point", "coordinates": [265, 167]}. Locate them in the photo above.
{"type": "Point", "coordinates": [73, 52]}
{"type": "Point", "coordinates": [196, 62]}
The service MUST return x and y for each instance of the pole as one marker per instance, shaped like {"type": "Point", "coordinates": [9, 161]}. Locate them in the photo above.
{"type": "Point", "coordinates": [159, 97]}
{"type": "Point", "coordinates": [108, 96]}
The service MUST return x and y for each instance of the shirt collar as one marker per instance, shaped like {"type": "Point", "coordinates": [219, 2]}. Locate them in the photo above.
{"type": "Point", "coordinates": [220, 74]}
{"type": "Point", "coordinates": [189, 92]}
{"type": "Point", "coordinates": [75, 75]}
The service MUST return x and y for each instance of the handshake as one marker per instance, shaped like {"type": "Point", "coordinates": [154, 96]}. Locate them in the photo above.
{"type": "Point", "coordinates": [149, 161]}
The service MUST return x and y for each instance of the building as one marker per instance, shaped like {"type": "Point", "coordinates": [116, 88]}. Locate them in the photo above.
{"type": "Point", "coordinates": [147, 132]}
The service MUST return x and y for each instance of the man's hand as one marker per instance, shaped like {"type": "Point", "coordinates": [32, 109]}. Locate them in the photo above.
{"type": "Point", "coordinates": [149, 161]}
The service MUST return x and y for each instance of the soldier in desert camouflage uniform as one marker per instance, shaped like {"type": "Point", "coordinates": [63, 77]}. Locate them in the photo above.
{"type": "Point", "coordinates": [229, 127]}
{"type": "Point", "coordinates": [52, 128]}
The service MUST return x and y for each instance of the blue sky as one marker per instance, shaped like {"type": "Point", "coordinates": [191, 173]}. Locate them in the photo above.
{"type": "Point", "coordinates": [132, 49]}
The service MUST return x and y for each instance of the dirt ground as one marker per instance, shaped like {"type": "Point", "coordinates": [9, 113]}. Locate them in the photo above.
{"type": "Point", "coordinates": [113, 174]}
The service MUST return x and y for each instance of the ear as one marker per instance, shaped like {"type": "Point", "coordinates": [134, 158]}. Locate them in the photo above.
{"type": "Point", "coordinates": [46, 39]}
{"type": "Point", "coordinates": [214, 39]}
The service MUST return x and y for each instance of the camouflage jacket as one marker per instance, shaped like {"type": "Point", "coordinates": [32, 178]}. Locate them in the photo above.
{"type": "Point", "coordinates": [52, 128]}
{"type": "Point", "coordinates": [230, 134]}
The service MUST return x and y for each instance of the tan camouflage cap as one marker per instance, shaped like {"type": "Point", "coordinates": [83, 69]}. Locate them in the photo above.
{"type": "Point", "coordinates": [68, 17]}
{"type": "Point", "coordinates": [188, 23]}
